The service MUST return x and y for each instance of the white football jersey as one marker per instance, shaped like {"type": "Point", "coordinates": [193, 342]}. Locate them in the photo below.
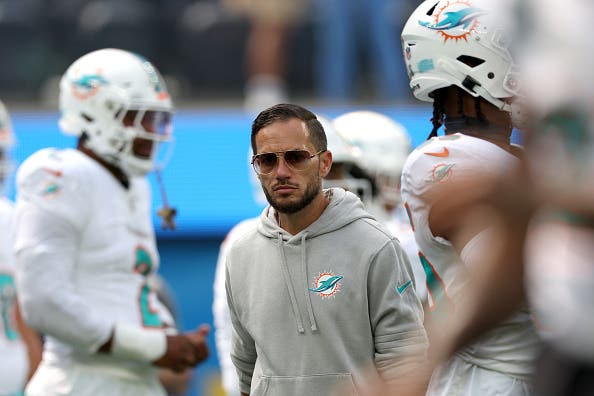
{"type": "Point", "coordinates": [510, 348]}
{"type": "Point", "coordinates": [220, 309]}
{"type": "Point", "coordinates": [13, 351]}
{"type": "Point", "coordinates": [85, 246]}
{"type": "Point", "coordinates": [399, 226]}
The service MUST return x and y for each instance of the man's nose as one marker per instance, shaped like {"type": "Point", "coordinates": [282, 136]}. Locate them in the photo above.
{"type": "Point", "coordinates": [282, 169]}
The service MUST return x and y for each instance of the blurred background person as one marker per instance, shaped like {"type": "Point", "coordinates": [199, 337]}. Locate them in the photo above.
{"type": "Point", "coordinates": [343, 161]}
{"type": "Point", "coordinates": [351, 35]}
{"type": "Point", "coordinates": [271, 22]}
{"type": "Point", "coordinates": [382, 146]}
{"type": "Point", "coordinates": [20, 346]}
{"type": "Point", "coordinates": [85, 243]}
{"type": "Point", "coordinates": [558, 69]}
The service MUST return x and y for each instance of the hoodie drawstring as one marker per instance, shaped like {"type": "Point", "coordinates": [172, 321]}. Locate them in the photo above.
{"type": "Point", "coordinates": [289, 285]}
{"type": "Point", "coordinates": [312, 319]}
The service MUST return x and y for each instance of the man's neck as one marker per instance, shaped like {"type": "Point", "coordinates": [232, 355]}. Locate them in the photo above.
{"type": "Point", "coordinates": [495, 133]}
{"type": "Point", "coordinates": [483, 121]}
{"type": "Point", "coordinates": [119, 174]}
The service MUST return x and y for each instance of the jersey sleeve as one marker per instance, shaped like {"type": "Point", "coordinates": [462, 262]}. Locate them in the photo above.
{"type": "Point", "coordinates": [52, 209]}
{"type": "Point", "coordinates": [46, 251]}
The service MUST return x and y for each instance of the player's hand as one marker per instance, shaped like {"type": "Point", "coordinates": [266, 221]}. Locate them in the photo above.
{"type": "Point", "coordinates": [198, 339]}
{"type": "Point", "coordinates": [184, 350]}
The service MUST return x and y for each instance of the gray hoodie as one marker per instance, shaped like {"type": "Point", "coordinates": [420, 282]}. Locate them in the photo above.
{"type": "Point", "coordinates": [311, 310]}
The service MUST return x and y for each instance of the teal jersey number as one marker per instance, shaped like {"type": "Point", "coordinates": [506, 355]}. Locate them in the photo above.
{"type": "Point", "coordinates": [7, 301]}
{"type": "Point", "coordinates": [437, 290]}
{"type": "Point", "coordinates": [144, 266]}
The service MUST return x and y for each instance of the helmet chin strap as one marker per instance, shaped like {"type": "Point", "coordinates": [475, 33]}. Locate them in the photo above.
{"type": "Point", "coordinates": [166, 213]}
{"type": "Point", "coordinates": [499, 103]}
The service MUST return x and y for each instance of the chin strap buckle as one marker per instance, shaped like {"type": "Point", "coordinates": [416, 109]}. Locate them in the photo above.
{"type": "Point", "coordinates": [166, 213]}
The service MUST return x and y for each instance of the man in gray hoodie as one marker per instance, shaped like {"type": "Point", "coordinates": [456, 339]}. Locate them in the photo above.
{"type": "Point", "coordinates": [319, 291]}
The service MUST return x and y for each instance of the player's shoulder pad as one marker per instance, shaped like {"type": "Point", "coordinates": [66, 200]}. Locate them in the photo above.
{"type": "Point", "coordinates": [6, 206]}
{"type": "Point", "coordinates": [49, 171]}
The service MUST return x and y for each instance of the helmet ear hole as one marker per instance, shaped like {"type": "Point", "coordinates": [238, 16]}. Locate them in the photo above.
{"type": "Point", "coordinates": [471, 61]}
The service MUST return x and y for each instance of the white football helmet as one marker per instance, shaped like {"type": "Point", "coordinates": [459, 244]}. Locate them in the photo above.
{"type": "Point", "coordinates": [462, 43]}
{"type": "Point", "coordinates": [346, 155]}
{"type": "Point", "coordinates": [383, 146]}
{"type": "Point", "coordinates": [341, 151]}
{"type": "Point", "coordinates": [117, 100]}
{"type": "Point", "coordinates": [7, 142]}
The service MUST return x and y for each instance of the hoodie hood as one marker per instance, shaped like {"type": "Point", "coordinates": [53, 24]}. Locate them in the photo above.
{"type": "Point", "coordinates": [344, 208]}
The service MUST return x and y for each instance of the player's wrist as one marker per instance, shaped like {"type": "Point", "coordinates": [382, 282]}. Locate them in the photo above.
{"type": "Point", "coordinates": [136, 343]}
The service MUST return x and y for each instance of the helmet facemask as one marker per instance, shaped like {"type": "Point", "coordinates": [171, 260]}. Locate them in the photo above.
{"type": "Point", "coordinates": [146, 130]}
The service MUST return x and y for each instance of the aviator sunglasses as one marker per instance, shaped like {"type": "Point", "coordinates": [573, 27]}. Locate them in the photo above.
{"type": "Point", "coordinates": [296, 159]}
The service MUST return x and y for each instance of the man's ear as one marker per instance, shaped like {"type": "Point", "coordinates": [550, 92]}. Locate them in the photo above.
{"type": "Point", "coordinates": [325, 163]}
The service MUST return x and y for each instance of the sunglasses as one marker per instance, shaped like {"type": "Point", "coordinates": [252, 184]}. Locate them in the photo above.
{"type": "Point", "coordinates": [296, 159]}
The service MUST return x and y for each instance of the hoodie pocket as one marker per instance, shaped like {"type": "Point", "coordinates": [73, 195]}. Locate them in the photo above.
{"type": "Point", "coordinates": [309, 385]}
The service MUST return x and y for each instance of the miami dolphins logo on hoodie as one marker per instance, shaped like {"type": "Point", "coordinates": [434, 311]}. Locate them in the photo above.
{"type": "Point", "coordinates": [326, 284]}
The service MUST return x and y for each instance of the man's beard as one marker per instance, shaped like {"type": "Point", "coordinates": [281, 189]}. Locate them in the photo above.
{"type": "Point", "coordinates": [312, 190]}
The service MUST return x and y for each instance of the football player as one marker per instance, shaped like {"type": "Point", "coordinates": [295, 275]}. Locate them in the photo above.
{"type": "Point", "coordinates": [457, 56]}
{"type": "Point", "coordinates": [85, 243]}
{"type": "Point", "coordinates": [20, 346]}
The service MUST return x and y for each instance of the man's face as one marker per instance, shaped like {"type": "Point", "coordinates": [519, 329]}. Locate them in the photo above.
{"type": "Point", "coordinates": [289, 190]}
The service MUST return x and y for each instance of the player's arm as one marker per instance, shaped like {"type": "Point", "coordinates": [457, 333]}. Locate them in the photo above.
{"type": "Point", "coordinates": [452, 206]}
{"type": "Point", "coordinates": [496, 279]}
{"type": "Point", "coordinates": [46, 251]}
{"type": "Point", "coordinates": [32, 341]}
{"type": "Point", "coordinates": [175, 383]}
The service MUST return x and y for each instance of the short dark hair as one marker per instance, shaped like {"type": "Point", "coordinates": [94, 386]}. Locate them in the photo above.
{"type": "Point", "coordinates": [285, 112]}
